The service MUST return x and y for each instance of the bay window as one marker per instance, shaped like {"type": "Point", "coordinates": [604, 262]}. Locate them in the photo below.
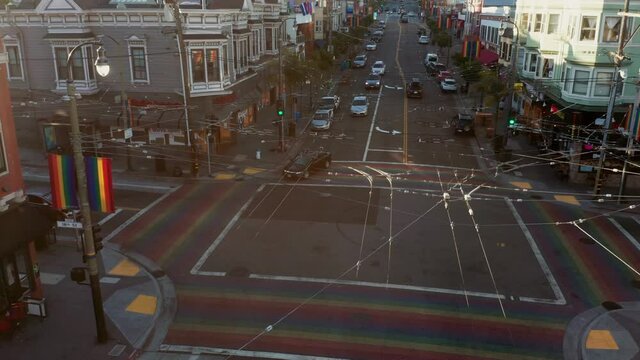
{"type": "Point", "coordinates": [588, 28]}
{"type": "Point", "coordinates": [580, 82]}
{"type": "Point", "coordinates": [603, 83]}
{"type": "Point", "coordinates": [15, 62]}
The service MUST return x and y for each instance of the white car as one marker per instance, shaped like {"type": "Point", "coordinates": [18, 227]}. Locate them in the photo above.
{"type": "Point", "coordinates": [424, 39]}
{"type": "Point", "coordinates": [378, 68]}
{"type": "Point", "coordinates": [330, 102]}
{"type": "Point", "coordinates": [449, 84]}
{"type": "Point", "coordinates": [322, 119]}
{"type": "Point", "coordinates": [360, 106]}
{"type": "Point", "coordinates": [371, 45]}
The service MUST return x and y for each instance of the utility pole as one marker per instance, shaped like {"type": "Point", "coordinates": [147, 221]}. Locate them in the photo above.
{"type": "Point", "coordinates": [330, 35]}
{"type": "Point", "coordinates": [125, 120]}
{"type": "Point", "coordinates": [186, 91]}
{"type": "Point", "coordinates": [283, 95]}
{"type": "Point", "coordinates": [632, 125]}
{"type": "Point", "coordinates": [618, 57]}
{"type": "Point", "coordinates": [502, 129]}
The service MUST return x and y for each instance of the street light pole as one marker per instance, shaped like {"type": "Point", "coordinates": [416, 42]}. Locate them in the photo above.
{"type": "Point", "coordinates": [512, 79]}
{"type": "Point", "coordinates": [102, 67]}
{"type": "Point", "coordinates": [283, 94]}
{"type": "Point", "coordinates": [617, 60]}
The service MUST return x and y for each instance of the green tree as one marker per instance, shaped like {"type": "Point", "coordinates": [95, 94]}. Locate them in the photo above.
{"type": "Point", "coordinates": [444, 40]}
{"type": "Point", "coordinates": [470, 70]}
{"type": "Point", "coordinates": [492, 89]}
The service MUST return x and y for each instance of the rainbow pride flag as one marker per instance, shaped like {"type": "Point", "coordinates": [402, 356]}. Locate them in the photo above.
{"type": "Point", "coordinates": [99, 183]}
{"type": "Point", "coordinates": [471, 47]}
{"type": "Point", "coordinates": [62, 175]}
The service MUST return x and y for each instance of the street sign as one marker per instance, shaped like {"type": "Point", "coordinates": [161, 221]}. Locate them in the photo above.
{"type": "Point", "coordinates": [69, 224]}
{"type": "Point", "coordinates": [128, 133]}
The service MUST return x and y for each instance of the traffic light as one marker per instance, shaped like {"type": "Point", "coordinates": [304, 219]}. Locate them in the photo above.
{"type": "Point", "coordinates": [280, 108]}
{"type": "Point", "coordinates": [512, 122]}
{"type": "Point", "coordinates": [97, 237]}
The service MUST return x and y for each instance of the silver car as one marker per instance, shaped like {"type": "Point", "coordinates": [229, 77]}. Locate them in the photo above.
{"type": "Point", "coordinates": [322, 119]}
{"type": "Point", "coordinates": [372, 82]}
{"type": "Point", "coordinates": [360, 61]}
{"type": "Point", "coordinates": [360, 106]}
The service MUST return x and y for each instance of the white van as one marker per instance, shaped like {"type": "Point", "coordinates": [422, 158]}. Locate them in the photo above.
{"type": "Point", "coordinates": [430, 58]}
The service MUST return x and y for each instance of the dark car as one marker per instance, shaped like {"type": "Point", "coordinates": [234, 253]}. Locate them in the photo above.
{"type": "Point", "coordinates": [373, 82]}
{"type": "Point", "coordinates": [434, 68]}
{"type": "Point", "coordinates": [404, 19]}
{"type": "Point", "coordinates": [463, 124]}
{"type": "Point", "coordinates": [307, 161]}
{"type": "Point", "coordinates": [414, 88]}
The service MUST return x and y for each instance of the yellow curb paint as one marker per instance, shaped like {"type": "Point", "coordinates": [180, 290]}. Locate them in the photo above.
{"type": "Point", "coordinates": [225, 176]}
{"type": "Point", "coordinates": [521, 184]}
{"type": "Point", "coordinates": [125, 268]}
{"type": "Point", "coordinates": [252, 171]}
{"type": "Point", "coordinates": [569, 199]}
{"type": "Point", "coordinates": [601, 340]}
{"type": "Point", "coordinates": [143, 304]}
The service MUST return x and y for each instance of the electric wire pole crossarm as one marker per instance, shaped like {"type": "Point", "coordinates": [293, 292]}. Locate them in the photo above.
{"type": "Point", "coordinates": [102, 68]}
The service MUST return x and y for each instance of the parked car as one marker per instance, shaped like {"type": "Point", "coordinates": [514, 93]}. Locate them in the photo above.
{"type": "Point", "coordinates": [360, 61]}
{"type": "Point", "coordinates": [378, 32]}
{"type": "Point", "coordinates": [376, 38]}
{"type": "Point", "coordinates": [307, 161]}
{"type": "Point", "coordinates": [462, 123]}
{"type": "Point", "coordinates": [371, 45]}
{"type": "Point", "coordinates": [404, 19]}
{"type": "Point", "coordinates": [434, 68]}
{"type": "Point", "coordinates": [372, 82]}
{"type": "Point", "coordinates": [322, 119]}
{"type": "Point", "coordinates": [414, 88]}
{"type": "Point", "coordinates": [424, 39]}
{"type": "Point", "coordinates": [360, 106]}
{"type": "Point", "coordinates": [444, 74]}
{"type": "Point", "coordinates": [378, 68]}
{"type": "Point", "coordinates": [330, 102]}
{"type": "Point", "coordinates": [449, 85]}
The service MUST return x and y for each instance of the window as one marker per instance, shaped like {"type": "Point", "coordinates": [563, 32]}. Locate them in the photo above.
{"type": "Point", "coordinates": [224, 55]}
{"type": "Point", "coordinates": [197, 66]}
{"type": "Point", "coordinates": [318, 26]}
{"type": "Point", "coordinates": [82, 59]}
{"type": "Point", "coordinates": [580, 82]}
{"type": "Point", "coordinates": [15, 62]}
{"type": "Point", "coordinates": [603, 84]}
{"type": "Point", "coordinates": [571, 27]}
{"type": "Point", "coordinates": [588, 28]}
{"type": "Point", "coordinates": [268, 33]}
{"type": "Point", "coordinates": [213, 65]}
{"type": "Point", "coordinates": [568, 79]}
{"type": "Point", "coordinates": [524, 22]}
{"type": "Point", "coordinates": [61, 62]}
{"type": "Point", "coordinates": [537, 26]}
{"type": "Point", "coordinates": [611, 28]}
{"type": "Point", "coordinates": [3, 158]}
{"type": "Point", "coordinates": [533, 63]}
{"type": "Point", "coordinates": [554, 20]}
{"type": "Point", "coordinates": [138, 58]}
{"type": "Point", "coordinates": [546, 71]}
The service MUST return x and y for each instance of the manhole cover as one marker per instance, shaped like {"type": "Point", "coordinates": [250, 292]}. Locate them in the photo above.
{"type": "Point", "coordinates": [586, 240]}
{"type": "Point", "coordinates": [239, 272]}
{"type": "Point", "coordinates": [611, 305]}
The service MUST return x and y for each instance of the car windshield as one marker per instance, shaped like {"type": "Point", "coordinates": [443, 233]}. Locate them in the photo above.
{"type": "Point", "coordinates": [321, 116]}
{"type": "Point", "coordinates": [301, 160]}
{"type": "Point", "coordinates": [374, 77]}
{"type": "Point", "coordinates": [326, 101]}
{"type": "Point", "coordinates": [378, 65]}
{"type": "Point", "coordinates": [359, 102]}
{"type": "Point", "coordinates": [450, 81]}
{"type": "Point", "coordinates": [359, 58]}
{"type": "Point", "coordinates": [415, 85]}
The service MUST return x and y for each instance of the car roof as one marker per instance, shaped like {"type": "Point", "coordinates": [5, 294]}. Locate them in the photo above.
{"type": "Point", "coordinates": [329, 97]}
{"type": "Point", "coordinates": [359, 97]}
{"type": "Point", "coordinates": [379, 62]}
{"type": "Point", "coordinates": [323, 111]}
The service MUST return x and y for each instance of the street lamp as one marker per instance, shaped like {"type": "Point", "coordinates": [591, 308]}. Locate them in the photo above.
{"type": "Point", "coordinates": [512, 74]}
{"type": "Point", "coordinates": [102, 68]}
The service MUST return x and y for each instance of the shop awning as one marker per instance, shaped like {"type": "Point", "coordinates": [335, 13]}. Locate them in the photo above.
{"type": "Point", "coordinates": [487, 57]}
{"type": "Point", "coordinates": [23, 223]}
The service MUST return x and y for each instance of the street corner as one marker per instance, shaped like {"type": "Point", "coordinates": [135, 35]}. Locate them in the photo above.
{"type": "Point", "coordinates": [124, 267]}
{"type": "Point", "coordinates": [133, 310]}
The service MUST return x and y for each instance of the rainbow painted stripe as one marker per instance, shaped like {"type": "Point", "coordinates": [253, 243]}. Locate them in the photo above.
{"type": "Point", "coordinates": [62, 175]}
{"type": "Point", "coordinates": [99, 183]}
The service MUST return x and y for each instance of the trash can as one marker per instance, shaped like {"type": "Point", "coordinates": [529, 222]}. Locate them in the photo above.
{"type": "Point", "coordinates": [292, 129]}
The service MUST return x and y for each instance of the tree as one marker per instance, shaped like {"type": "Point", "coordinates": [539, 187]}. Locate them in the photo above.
{"type": "Point", "coordinates": [471, 70]}
{"type": "Point", "coordinates": [443, 39]}
{"type": "Point", "coordinates": [493, 89]}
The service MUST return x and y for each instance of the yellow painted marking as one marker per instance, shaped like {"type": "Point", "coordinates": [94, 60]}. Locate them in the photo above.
{"type": "Point", "coordinates": [569, 199]}
{"type": "Point", "coordinates": [143, 304]}
{"type": "Point", "coordinates": [225, 176]}
{"type": "Point", "coordinates": [252, 171]}
{"type": "Point", "coordinates": [522, 184]}
{"type": "Point", "coordinates": [125, 268]}
{"type": "Point", "coordinates": [601, 340]}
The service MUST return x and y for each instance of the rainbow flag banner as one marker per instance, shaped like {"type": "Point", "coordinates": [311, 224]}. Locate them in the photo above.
{"type": "Point", "coordinates": [471, 47]}
{"type": "Point", "coordinates": [62, 175]}
{"type": "Point", "coordinates": [99, 183]}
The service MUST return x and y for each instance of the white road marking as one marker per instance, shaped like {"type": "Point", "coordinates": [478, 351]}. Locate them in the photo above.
{"type": "Point", "coordinates": [116, 184]}
{"type": "Point", "coordinates": [625, 232]}
{"type": "Point", "coordinates": [201, 350]}
{"type": "Point", "coordinates": [135, 217]}
{"type": "Point", "coordinates": [196, 268]}
{"type": "Point", "coordinates": [373, 121]}
{"type": "Point", "coordinates": [379, 285]}
{"type": "Point", "coordinates": [403, 164]}
{"type": "Point", "coordinates": [560, 300]}
{"type": "Point", "coordinates": [386, 150]}
{"type": "Point", "coordinates": [109, 217]}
